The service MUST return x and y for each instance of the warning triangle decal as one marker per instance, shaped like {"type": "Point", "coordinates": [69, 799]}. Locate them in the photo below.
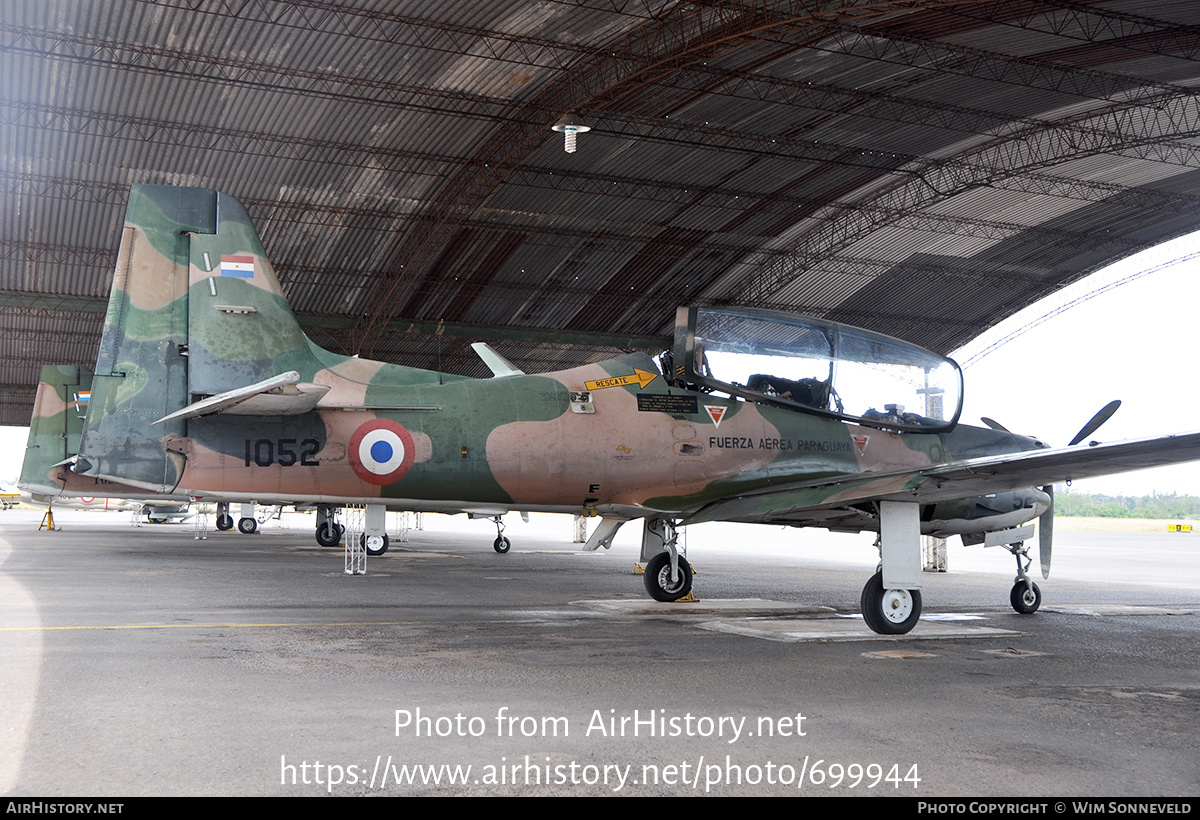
{"type": "Point", "coordinates": [861, 441]}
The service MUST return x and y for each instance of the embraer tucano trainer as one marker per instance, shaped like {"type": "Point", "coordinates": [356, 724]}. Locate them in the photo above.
{"type": "Point", "coordinates": [47, 478]}
{"type": "Point", "coordinates": [205, 386]}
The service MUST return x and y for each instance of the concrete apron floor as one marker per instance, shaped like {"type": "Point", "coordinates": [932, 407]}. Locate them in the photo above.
{"type": "Point", "coordinates": [144, 661]}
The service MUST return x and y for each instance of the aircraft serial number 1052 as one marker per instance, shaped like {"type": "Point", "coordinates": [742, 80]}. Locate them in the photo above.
{"type": "Point", "coordinates": [205, 385]}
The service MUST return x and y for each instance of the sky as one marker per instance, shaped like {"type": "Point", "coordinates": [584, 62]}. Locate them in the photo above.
{"type": "Point", "coordinates": [1136, 342]}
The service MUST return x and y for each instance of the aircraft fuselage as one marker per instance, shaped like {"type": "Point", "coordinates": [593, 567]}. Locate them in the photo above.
{"type": "Point", "coordinates": [522, 442]}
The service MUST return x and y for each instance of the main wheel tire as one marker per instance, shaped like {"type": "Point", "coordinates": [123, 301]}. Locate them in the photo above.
{"type": "Point", "coordinates": [247, 525]}
{"type": "Point", "coordinates": [658, 578]}
{"type": "Point", "coordinates": [328, 535]}
{"type": "Point", "coordinates": [225, 522]}
{"type": "Point", "coordinates": [373, 546]}
{"type": "Point", "coordinates": [890, 611]}
{"type": "Point", "coordinates": [864, 602]}
{"type": "Point", "coordinates": [1025, 599]}
{"type": "Point", "coordinates": [501, 544]}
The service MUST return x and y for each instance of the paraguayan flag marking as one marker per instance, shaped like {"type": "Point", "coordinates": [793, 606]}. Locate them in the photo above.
{"type": "Point", "coordinates": [240, 266]}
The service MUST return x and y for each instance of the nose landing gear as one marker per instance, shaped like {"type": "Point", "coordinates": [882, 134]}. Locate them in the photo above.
{"type": "Point", "coordinates": [501, 544]}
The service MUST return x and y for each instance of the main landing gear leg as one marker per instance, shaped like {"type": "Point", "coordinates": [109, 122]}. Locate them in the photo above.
{"type": "Point", "coordinates": [375, 538]}
{"type": "Point", "coordinates": [1025, 596]}
{"type": "Point", "coordinates": [247, 524]}
{"type": "Point", "coordinates": [501, 544]}
{"type": "Point", "coordinates": [329, 531]}
{"type": "Point", "coordinates": [668, 575]}
{"type": "Point", "coordinates": [891, 599]}
{"type": "Point", "coordinates": [224, 519]}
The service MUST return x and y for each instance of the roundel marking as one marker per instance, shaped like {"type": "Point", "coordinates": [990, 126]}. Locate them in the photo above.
{"type": "Point", "coordinates": [381, 452]}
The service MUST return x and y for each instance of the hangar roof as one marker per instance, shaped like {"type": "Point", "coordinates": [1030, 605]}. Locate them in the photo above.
{"type": "Point", "coordinates": [923, 168]}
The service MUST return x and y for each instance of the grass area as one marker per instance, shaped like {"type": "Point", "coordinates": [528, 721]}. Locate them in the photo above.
{"type": "Point", "coordinates": [1062, 522]}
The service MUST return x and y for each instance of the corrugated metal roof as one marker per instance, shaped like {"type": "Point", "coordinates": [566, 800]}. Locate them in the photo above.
{"type": "Point", "coordinates": [923, 169]}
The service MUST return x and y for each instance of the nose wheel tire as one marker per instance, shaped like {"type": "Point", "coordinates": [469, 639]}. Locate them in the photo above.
{"type": "Point", "coordinates": [501, 544]}
{"type": "Point", "coordinates": [1025, 599]}
{"type": "Point", "coordinates": [247, 525]}
{"type": "Point", "coordinates": [658, 578]}
{"type": "Point", "coordinates": [890, 611]}
{"type": "Point", "coordinates": [224, 522]}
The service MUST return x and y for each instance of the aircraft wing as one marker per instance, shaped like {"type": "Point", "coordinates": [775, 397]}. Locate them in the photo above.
{"type": "Point", "coordinates": [1040, 467]}
{"type": "Point", "coordinates": [961, 479]}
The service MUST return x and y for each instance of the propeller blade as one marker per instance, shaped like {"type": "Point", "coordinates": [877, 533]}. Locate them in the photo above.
{"type": "Point", "coordinates": [1092, 426]}
{"type": "Point", "coordinates": [995, 425]}
{"type": "Point", "coordinates": [1046, 532]}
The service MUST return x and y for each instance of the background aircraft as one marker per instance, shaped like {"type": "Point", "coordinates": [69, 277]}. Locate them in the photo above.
{"type": "Point", "coordinates": [9, 496]}
{"type": "Point", "coordinates": [206, 386]}
{"type": "Point", "coordinates": [152, 512]}
{"type": "Point", "coordinates": [47, 478]}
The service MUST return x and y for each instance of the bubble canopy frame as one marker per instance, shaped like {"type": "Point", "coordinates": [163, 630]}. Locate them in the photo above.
{"type": "Point", "coordinates": [818, 367]}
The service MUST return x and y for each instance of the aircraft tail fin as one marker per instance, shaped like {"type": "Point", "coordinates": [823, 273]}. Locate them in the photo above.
{"type": "Point", "coordinates": [197, 324]}
{"type": "Point", "coordinates": [195, 309]}
{"type": "Point", "coordinates": [59, 406]}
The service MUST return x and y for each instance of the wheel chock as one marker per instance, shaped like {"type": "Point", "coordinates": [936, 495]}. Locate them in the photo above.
{"type": "Point", "coordinates": [637, 569]}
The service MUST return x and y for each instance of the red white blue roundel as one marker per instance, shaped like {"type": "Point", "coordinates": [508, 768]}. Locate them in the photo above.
{"type": "Point", "coordinates": [381, 452]}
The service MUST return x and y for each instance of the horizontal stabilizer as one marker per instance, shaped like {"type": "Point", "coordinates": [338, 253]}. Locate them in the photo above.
{"type": "Point", "coordinates": [499, 365]}
{"type": "Point", "coordinates": [277, 396]}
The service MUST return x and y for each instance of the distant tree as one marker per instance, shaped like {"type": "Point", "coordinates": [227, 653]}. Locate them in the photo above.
{"type": "Point", "coordinates": [1086, 505]}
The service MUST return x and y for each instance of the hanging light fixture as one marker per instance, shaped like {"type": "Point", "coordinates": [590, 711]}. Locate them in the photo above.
{"type": "Point", "coordinates": [570, 125]}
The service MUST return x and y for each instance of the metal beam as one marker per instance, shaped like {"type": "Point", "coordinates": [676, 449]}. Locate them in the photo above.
{"type": "Point", "coordinates": [683, 35]}
{"type": "Point", "coordinates": [25, 301]}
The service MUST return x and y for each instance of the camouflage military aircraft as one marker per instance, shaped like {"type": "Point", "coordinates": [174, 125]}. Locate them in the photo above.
{"type": "Point", "coordinates": [48, 478]}
{"type": "Point", "coordinates": [205, 385]}
{"type": "Point", "coordinates": [59, 407]}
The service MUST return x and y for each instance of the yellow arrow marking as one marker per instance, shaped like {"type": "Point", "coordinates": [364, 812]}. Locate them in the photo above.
{"type": "Point", "coordinates": [639, 377]}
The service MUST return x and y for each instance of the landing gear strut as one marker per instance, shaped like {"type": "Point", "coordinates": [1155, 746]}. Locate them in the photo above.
{"type": "Point", "coordinates": [501, 544]}
{"type": "Point", "coordinates": [224, 519]}
{"type": "Point", "coordinates": [329, 531]}
{"type": "Point", "coordinates": [895, 608]}
{"type": "Point", "coordinates": [247, 524]}
{"type": "Point", "coordinates": [668, 574]}
{"type": "Point", "coordinates": [1025, 596]}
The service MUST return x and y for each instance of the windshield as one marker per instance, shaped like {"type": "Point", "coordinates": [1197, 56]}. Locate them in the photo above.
{"type": "Point", "coordinates": [829, 368]}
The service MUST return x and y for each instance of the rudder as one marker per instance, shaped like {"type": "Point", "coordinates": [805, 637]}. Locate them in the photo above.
{"type": "Point", "coordinates": [59, 407]}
